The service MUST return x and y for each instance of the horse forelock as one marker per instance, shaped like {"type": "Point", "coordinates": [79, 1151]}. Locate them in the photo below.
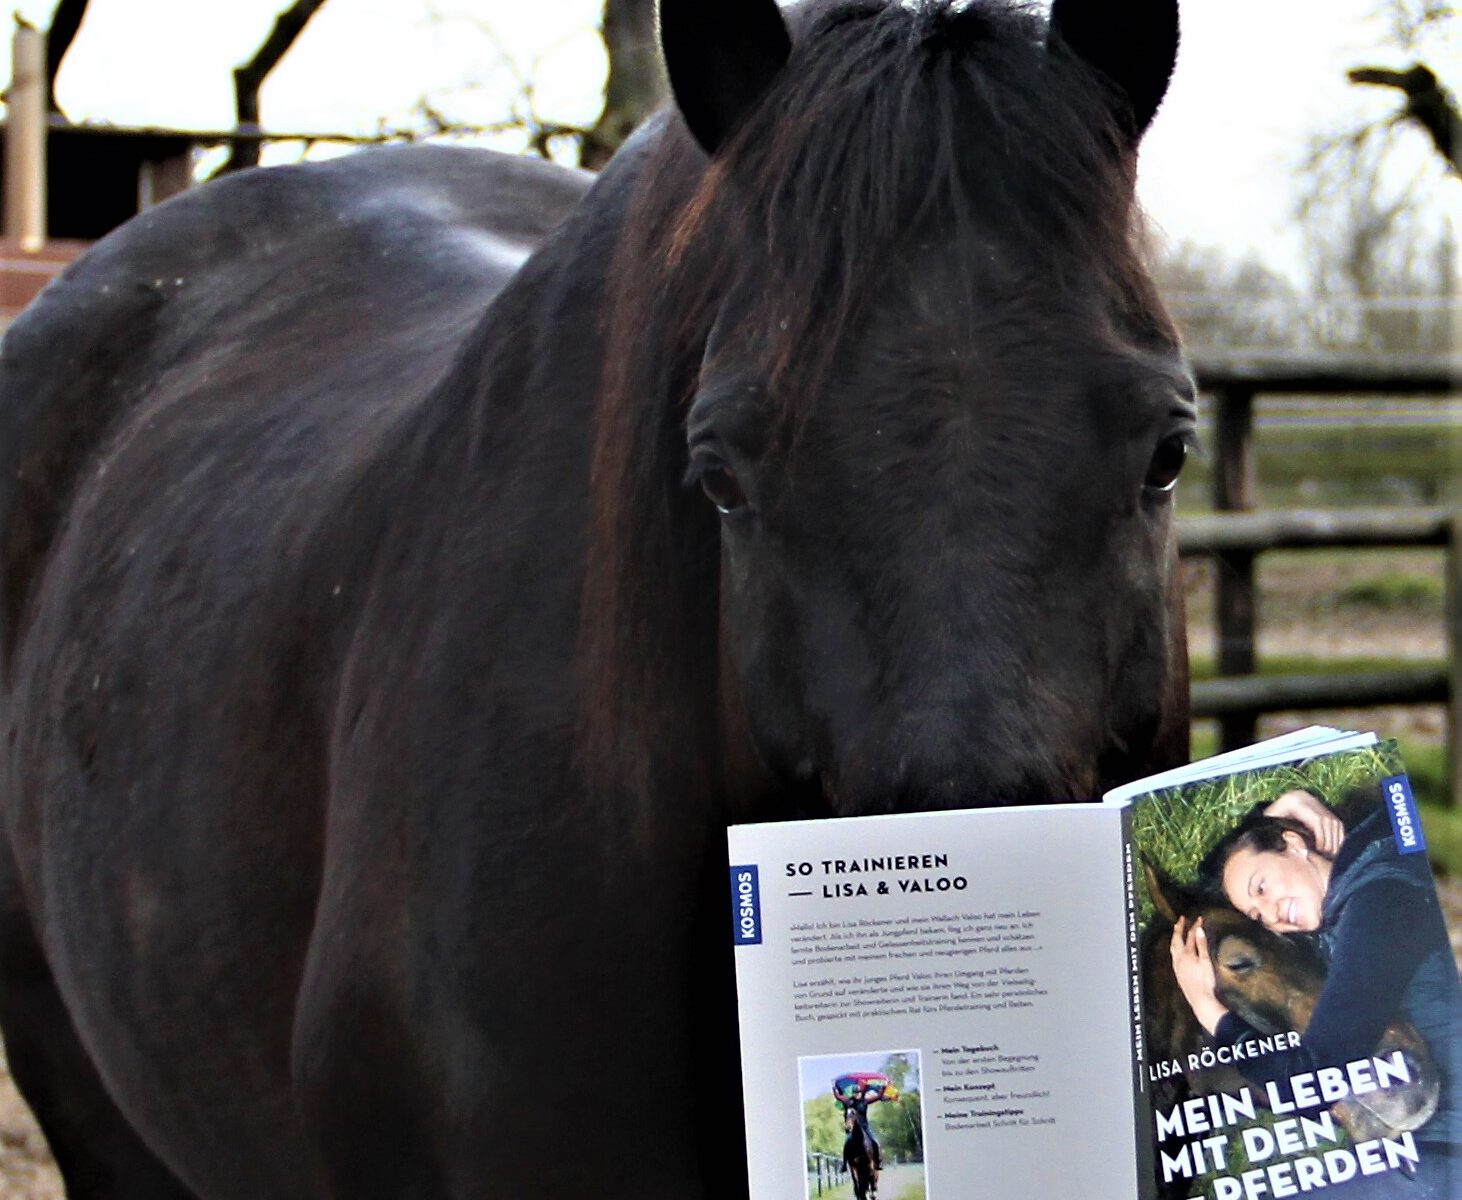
{"type": "Point", "coordinates": [891, 122]}
{"type": "Point", "coordinates": [894, 123]}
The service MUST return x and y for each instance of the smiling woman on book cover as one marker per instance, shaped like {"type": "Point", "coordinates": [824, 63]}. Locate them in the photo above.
{"type": "Point", "coordinates": [1374, 912]}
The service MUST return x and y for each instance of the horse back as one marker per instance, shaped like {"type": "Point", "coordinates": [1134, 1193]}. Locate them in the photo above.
{"type": "Point", "coordinates": [277, 292]}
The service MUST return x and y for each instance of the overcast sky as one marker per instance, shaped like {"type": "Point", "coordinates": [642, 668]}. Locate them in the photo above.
{"type": "Point", "coordinates": [1255, 80]}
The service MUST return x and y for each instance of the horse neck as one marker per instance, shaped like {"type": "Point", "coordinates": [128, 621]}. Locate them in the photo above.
{"type": "Point", "coordinates": [513, 433]}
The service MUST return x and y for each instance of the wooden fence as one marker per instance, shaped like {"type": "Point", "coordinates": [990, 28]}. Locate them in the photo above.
{"type": "Point", "coordinates": [824, 1172]}
{"type": "Point", "coordinates": [1235, 535]}
{"type": "Point", "coordinates": [24, 272]}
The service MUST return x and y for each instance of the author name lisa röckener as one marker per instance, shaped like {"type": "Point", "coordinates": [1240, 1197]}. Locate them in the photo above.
{"type": "Point", "coordinates": [1222, 1056]}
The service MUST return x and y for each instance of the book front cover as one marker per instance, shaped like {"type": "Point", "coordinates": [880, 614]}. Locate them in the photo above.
{"type": "Point", "coordinates": [937, 1003]}
{"type": "Point", "coordinates": [1301, 999]}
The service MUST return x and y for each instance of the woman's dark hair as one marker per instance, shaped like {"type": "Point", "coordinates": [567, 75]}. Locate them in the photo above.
{"type": "Point", "coordinates": [1257, 832]}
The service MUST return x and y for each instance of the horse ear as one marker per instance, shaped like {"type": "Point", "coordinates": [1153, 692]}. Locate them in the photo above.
{"type": "Point", "coordinates": [1133, 43]}
{"type": "Point", "coordinates": [1161, 890]}
{"type": "Point", "coordinates": [721, 57]}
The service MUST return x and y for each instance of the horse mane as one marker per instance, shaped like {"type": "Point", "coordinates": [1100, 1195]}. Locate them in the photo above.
{"type": "Point", "coordinates": [961, 118]}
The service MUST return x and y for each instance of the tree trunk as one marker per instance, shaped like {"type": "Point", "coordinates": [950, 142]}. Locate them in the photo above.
{"type": "Point", "coordinates": [636, 83]}
{"type": "Point", "coordinates": [249, 78]}
{"type": "Point", "coordinates": [64, 24]}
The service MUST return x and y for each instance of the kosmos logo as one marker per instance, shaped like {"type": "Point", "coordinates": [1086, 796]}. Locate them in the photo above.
{"type": "Point", "coordinates": [745, 907]}
{"type": "Point", "coordinates": [1405, 823]}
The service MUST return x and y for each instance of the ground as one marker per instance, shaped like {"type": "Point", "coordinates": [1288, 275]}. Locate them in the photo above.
{"type": "Point", "coordinates": [26, 1170]}
{"type": "Point", "coordinates": [1373, 605]}
{"type": "Point", "coordinates": [896, 1183]}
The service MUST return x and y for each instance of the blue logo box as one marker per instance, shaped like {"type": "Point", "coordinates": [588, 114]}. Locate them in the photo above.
{"type": "Point", "coordinates": [745, 907]}
{"type": "Point", "coordinates": [1405, 821]}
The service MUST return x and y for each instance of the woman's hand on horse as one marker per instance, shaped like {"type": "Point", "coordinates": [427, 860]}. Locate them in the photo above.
{"type": "Point", "coordinates": [1193, 969]}
{"type": "Point", "coordinates": [1310, 811]}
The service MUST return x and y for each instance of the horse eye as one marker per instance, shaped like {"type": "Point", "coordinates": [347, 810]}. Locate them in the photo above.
{"type": "Point", "coordinates": [722, 489]}
{"type": "Point", "coordinates": [1167, 463]}
{"type": "Point", "coordinates": [1239, 964]}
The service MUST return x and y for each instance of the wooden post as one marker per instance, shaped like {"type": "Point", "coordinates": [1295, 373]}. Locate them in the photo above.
{"type": "Point", "coordinates": [1454, 663]}
{"type": "Point", "coordinates": [25, 141]}
{"type": "Point", "coordinates": [1234, 490]}
{"type": "Point", "coordinates": [159, 179]}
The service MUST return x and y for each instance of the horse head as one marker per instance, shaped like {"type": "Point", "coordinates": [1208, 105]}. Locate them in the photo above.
{"type": "Point", "coordinates": [1269, 980]}
{"type": "Point", "coordinates": [927, 390]}
{"type": "Point", "coordinates": [1171, 1029]}
{"type": "Point", "coordinates": [1272, 981]}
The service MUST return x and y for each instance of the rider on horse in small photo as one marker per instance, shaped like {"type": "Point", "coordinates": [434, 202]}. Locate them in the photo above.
{"type": "Point", "coordinates": [855, 1092]}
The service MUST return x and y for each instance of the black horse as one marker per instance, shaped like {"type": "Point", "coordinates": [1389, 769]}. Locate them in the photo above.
{"type": "Point", "coordinates": [858, 1156]}
{"type": "Point", "coordinates": [390, 630]}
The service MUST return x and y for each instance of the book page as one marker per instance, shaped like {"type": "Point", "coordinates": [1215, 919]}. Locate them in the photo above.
{"type": "Point", "coordinates": [973, 964]}
{"type": "Point", "coordinates": [1303, 743]}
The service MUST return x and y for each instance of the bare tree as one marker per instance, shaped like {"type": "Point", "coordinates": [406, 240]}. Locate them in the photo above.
{"type": "Point", "coordinates": [1428, 104]}
{"type": "Point", "coordinates": [1382, 252]}
{"type": "Point", "coordinates": [249, 78]}
{"type": "Point", "coordinates": [65, 21]}
{"type": "Point", "coordinates": [634, 87]}
{"type": "Point", "coordinates": [1225, 303]}
{"type": "Point", "coordinates": [1380, 256]}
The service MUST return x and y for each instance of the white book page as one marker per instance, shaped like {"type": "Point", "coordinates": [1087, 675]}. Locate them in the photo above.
{"type": "Point", "coordinates": [1303, 743]}
{"type": "Point", "coordinates": [989, 949]}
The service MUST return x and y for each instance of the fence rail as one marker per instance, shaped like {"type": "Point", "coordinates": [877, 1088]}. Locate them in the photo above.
{"type": "Point", "coordinates": [824, 1172]}
{"type": "Point", "coordinates": [1276, 693]}
{"type": "Point", "coordinates": [1299, 529]}
{"type": "Point", "coordinates": [1236, 534]}
{"type": "Point", "coordinates": [1328, 373]}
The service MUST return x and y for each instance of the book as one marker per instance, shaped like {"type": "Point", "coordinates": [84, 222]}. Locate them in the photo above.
{"type": "Point", "coordinates": [1232, 980]}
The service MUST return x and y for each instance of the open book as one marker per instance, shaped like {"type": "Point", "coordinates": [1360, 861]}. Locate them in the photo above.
{"type": "Point", "coordinates": [1232, 980]}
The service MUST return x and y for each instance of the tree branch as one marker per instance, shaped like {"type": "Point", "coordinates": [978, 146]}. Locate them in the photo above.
{"type": "Point", "coordinates": [1427, 103]}
{"type": "Point", "coordinates": [64, 23]}
{"type": "Point", "coordinates": [249, 78]}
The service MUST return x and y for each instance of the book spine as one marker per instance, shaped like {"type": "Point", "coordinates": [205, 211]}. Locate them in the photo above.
{"type": "Point", "coordinates": [1141, 1090]}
